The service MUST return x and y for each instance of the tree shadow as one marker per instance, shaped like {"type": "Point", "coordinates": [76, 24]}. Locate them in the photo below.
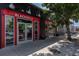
{"type": "Point", "coordinates": [63, 48]}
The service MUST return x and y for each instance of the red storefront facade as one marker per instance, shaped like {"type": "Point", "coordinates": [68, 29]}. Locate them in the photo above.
{"type": "Point", "coordinates": [6, 13]}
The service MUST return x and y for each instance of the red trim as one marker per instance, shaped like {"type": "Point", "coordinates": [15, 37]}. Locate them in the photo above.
{"type": "Point", "coordinates": [16, 14]}
{"type": "Point", "coordinates": [33, 29]}
{"type": "Point", "coordinates": [3, 32]}
{"type": "Point", "coordinates": [15, 31]}
{"type": "Point", "coordinates": [38, 28]}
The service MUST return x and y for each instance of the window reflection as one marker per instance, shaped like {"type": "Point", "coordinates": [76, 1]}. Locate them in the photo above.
{"type": "Point", "coordinates": [9, 29]}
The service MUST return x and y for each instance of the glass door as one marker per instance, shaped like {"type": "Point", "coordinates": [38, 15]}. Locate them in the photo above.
{"type": "Point", "coordinates": [9, 30]}
{"type": "Point", "coordinates": [21, 31]}
{"type": "Point", "coordinates": [29, 31]}
{"type": "Point", "coordinates": [24, 31]}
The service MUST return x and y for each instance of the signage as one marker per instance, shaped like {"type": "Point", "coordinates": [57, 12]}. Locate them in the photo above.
{"type": "Point", "coordinates": [22, 16]}
{"type": "Point", "coordinates": [16, 14]}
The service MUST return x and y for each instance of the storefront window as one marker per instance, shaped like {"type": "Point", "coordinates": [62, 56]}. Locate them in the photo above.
{"type": "Point", "coordinates": [9, 29]}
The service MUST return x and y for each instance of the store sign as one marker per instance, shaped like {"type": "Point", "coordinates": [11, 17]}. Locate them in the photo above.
{"type": "Point", "coordinates": [22, 16]}
{"type": "Point", "coordinates": [16, 14]}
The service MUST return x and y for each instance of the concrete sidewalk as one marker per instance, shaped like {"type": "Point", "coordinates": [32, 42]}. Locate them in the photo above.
{"type": "Point", "coordinates": [26, 49]}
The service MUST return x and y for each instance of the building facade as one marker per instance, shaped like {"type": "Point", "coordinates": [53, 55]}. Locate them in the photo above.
{"type": "Point", "coordinates": [20, 22]}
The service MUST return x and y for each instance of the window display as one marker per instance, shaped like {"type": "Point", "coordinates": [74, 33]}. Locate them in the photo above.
{"type": "Point", "coordinates": [9, 29]}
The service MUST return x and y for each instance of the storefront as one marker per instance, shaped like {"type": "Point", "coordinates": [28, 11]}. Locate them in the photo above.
{"type": "Point", "coordinates": [17, 27]}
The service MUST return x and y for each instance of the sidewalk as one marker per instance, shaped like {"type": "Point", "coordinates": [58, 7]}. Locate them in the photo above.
{"type": "Point", "coordinates": [60, 48]}
{"type": "Point", "coordinates": [26, 49]}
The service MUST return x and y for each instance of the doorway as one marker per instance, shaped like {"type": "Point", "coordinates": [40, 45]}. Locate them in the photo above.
{"type": "Point", "coordinates": [24, 29]}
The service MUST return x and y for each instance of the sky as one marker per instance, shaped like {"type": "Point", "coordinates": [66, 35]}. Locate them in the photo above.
{"type": "Point", "coordinates": [76, 23]}
{"type": "Point", "coordinates": [39, 5]}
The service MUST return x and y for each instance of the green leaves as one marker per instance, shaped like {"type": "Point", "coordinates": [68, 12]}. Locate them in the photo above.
{"type": "Point", "coordinates": [63, 11]}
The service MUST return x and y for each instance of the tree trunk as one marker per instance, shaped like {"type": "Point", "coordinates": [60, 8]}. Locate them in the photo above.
{"type": "Point", "coordinates": [55, 34]}
{"type": "Point", "coordinates": [68, 33]}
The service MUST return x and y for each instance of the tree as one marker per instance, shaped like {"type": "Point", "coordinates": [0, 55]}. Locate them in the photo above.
{"type": "Point", "coordinates": [64, 12]}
